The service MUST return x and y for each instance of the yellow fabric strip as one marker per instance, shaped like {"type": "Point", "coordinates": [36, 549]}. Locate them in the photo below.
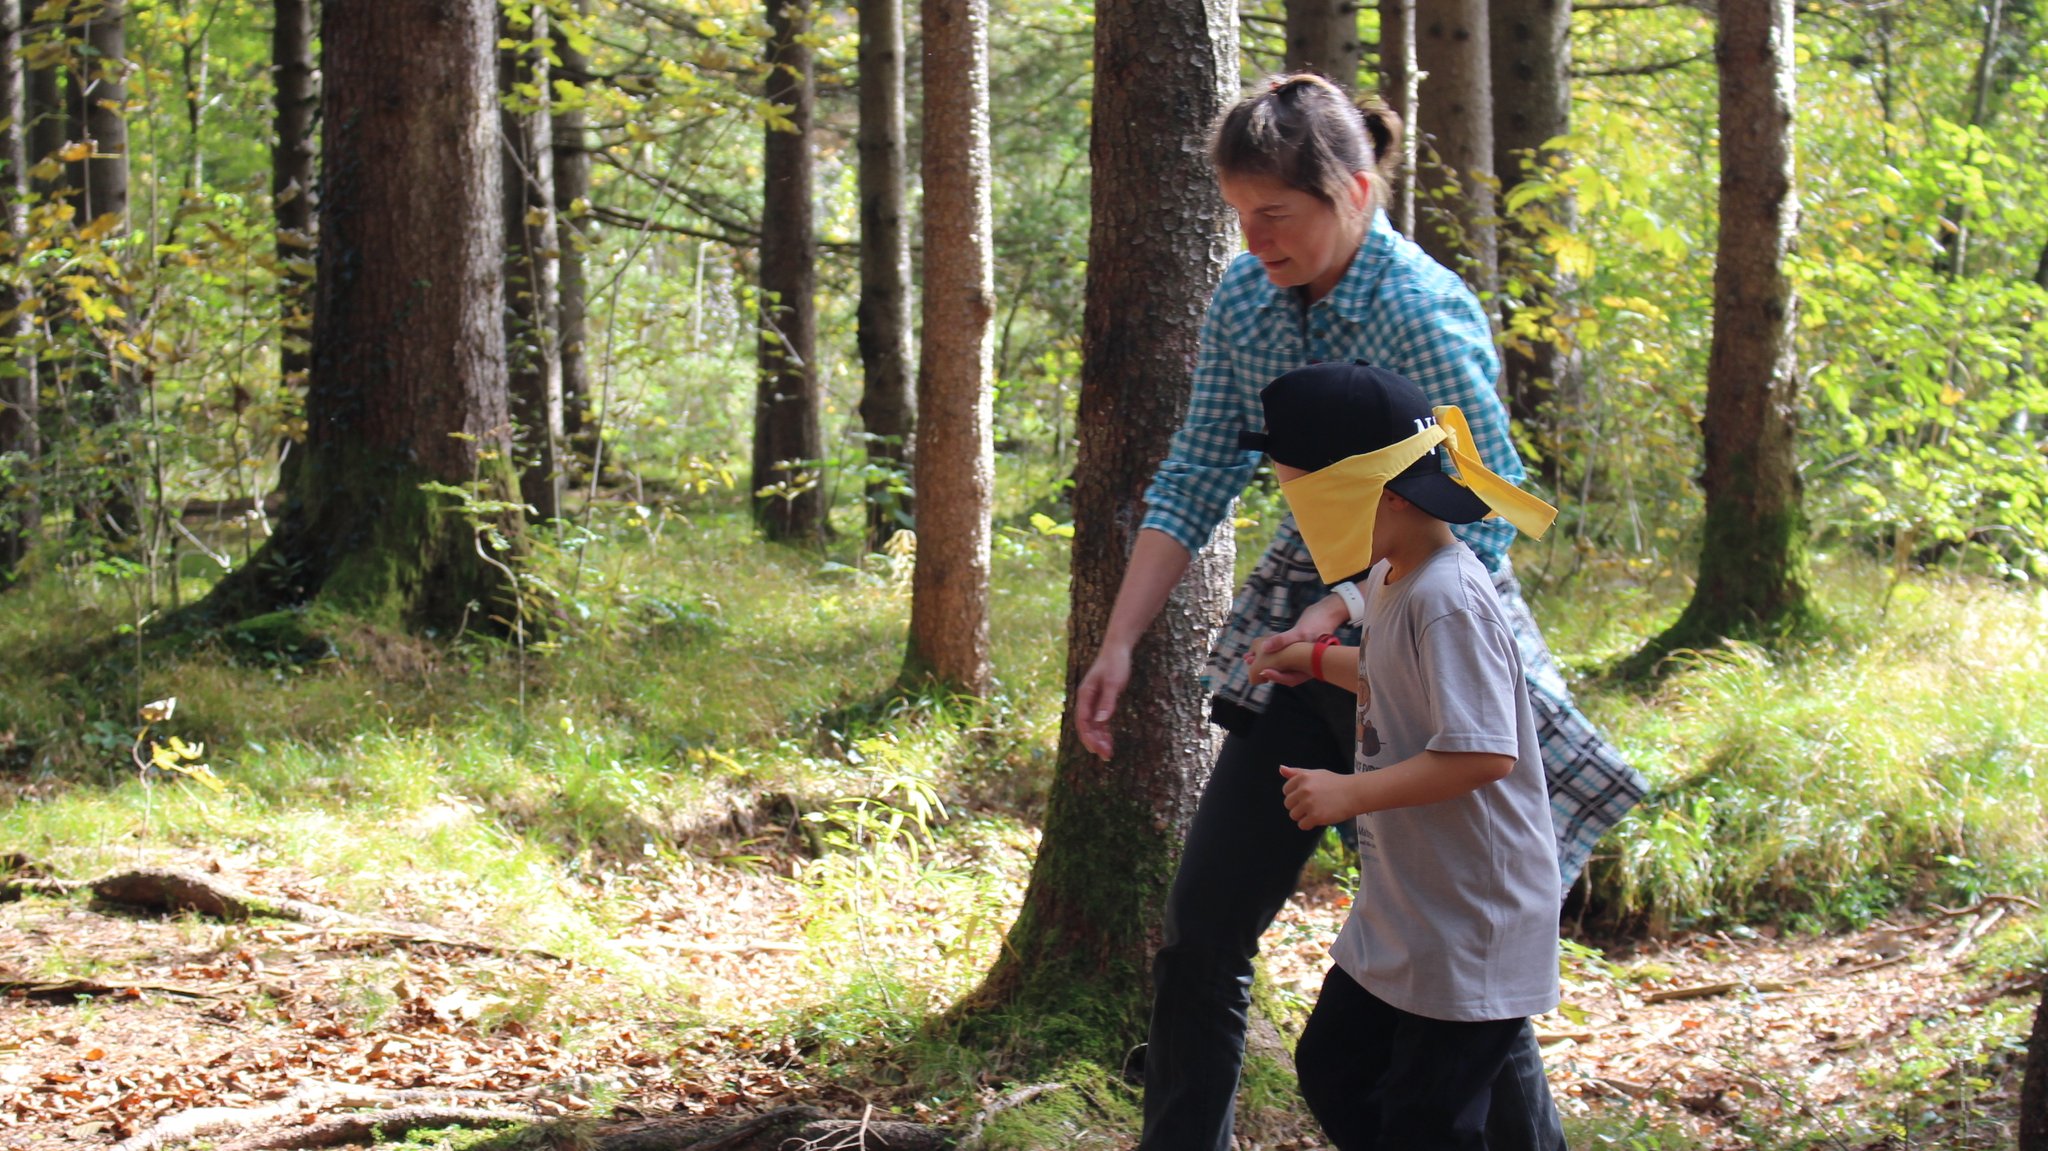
{"type": "Point", "coordinates": [1530, 515]}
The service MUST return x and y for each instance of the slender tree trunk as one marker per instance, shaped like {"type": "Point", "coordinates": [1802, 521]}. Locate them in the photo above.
{"type": "Point", "coordinates": [1532, 100]}
{"type": "Point", "coordinates": [1752, 574]}
{"type": "Point", "coordinates": [1322, 37]}
{"type": "Point", "coordinates": [532, 274]}
{"type": "Point", "coordinates": [1953, 258]}
{"type": "Point", "coordinates": [2034, 1088]}
{"type": "Point", "coordinates": [98, 95]}
{"type": "Point", "coordinates": [888, 407]}
{"type": "Point", "coordinates": [787, 438]}
{"type": "Point", "coordinates": [1454, 202]}
{"type": "Point", "coordinates": [955, 436]}
{"type": "Point", "coordinates": [578, 231]}
{"type": "Point", "coordinates": [20, 443]}
{"type": "Point", "coordinates": [408, 376]}
{"type": "Point", "coordinates": [1158, 240]}
{"type": "Point", "coordinates": [1398, 87]}
{"type": "Point", "coordinates": [292, 183]}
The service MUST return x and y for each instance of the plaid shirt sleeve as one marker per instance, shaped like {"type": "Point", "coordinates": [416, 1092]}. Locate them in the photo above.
{"type": "Point", "coordinates": [1204, 469]}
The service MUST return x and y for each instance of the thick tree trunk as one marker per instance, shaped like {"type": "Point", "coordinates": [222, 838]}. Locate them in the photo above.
{"type": "Point", "coordinates": [1531, 49]}
{"type": "Point", "coordinates": [1752, 575]}
{"type": "Point", "coordinates": [292, 183]}
{"type": "Point", "coordinates": [1322, 37]}
{"type": "Point", "coordinates": [888, 408]}
{"type": "Point", "coordinates": [408, 375]}
{"type": "Point", "coordinates": [20, 444]}
{"type": "Point", "coordinates": [1397, 88]}
{"type": "Point", "coordinates": [955, 434]}
{"type": "Point", "coordinates": [2034, 1088]}
{"type": "Point", "coordinates": [1158, 240]}
{"type": "Point", "coordinates": [1453, 175]}
{"type": "Point", "coordinates": [532, 272]}
{"type": "Point", "coordinates": [578, 231]}
{"type": "Point", "coordinates": [788, 441]}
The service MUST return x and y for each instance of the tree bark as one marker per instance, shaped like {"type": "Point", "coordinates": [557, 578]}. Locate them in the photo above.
{"type": "Point", "coordinates": [98, 95]}
{"type": "Point", "coordinates": [1952, 259]}
{"type": "Point", "coordinates": [1531, 50]}
{"type": "Point", "coordinates": [787, 438]}
{"type": "Point", "coordinates": [888, 407]}
{"type": "Point", "coordinates": [20, 444]}
{"type": "Point", "coordinates": [407, 384]}
{"type": "Point", "coordinates": [1453, 174]}
{"type": "Point", "coordinates": [1752, 573]}
{"type": "Point", "coordinates": [1158, 240]}
{"type": "Point", "coordinates": [2034, 1088]}
{"type": "Point", "coordinates": [532, 247]}
{"type": "Point", "coordinates": [1322, 37]}
{"type": "Point", "coordinates": [578, 231]}
{"type": "Point", "coordinates": [1397, 88]}
{"type": "Point", "coordinates": [292, 184]}
{"type": "Point", "coordinates": [955, 436]}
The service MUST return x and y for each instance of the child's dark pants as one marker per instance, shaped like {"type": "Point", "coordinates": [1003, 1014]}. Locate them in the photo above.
{"type": "Point", "coordinates": [1242, 860]}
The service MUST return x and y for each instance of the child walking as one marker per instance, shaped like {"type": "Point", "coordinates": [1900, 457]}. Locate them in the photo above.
{"type": "Point", "coordinates": [1452, 941]}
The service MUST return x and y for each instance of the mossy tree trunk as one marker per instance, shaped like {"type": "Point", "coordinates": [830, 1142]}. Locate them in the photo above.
{"type": "Point", "coordinates": [1752, 573]}
{"type": "Point", "coordinates": [787, 437]}
{"type": "Point", "coordinates": [1530, 43]}
{"type": "Point", "coordinates": [20, 442]}
{"type": "Point", "coordinates": [949, 596]}
{"type": "Point", "coordinates": [1073, 980]}
{"type": "Point", "coordinates": [407, 382]}
{"type": "Point", "coordinates": [888, 405]}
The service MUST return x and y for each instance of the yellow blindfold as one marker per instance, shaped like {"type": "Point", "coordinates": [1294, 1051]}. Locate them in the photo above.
{"type": "Point", "coordinates": [1335, 507]}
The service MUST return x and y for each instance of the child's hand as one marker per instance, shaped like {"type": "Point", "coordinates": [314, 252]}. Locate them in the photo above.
{"type": "Point", "coordinates": [1317, 798]}
{"type": "Point", "coordinates": [1274, 659]}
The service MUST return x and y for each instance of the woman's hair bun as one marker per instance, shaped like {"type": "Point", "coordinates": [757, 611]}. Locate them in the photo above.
{"type": "Point", "coordinates": [1383, 126]}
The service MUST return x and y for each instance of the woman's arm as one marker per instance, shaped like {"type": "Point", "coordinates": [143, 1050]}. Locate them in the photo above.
{"type": "Point", "coordinates": [1157, 563]}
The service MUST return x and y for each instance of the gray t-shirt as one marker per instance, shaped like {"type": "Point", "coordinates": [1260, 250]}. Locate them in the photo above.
{"type": "Point", "coordinates": [1456, 916]}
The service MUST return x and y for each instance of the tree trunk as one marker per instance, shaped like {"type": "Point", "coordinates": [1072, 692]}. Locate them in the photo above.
{"type": "Point", "coordinates": [20, 444]}
{"type": "Point", "coordinates": [2034, 1088]}
{"type": "Point", "coordinates": [1322, 37]}
{"type": "Point", "coordinates": [788, 441]}
{"type": "Point", "coordinates": [1952, 259]}
{"type": "Point", "coordinates": [532, 274]}
{"type": "Point", "coordinates": [955, 434]}
{"type": "Point", "coordinates": [1397, 88]}
{"type": "Point", "coordinates": [1532, 101]}
{"type": "Point", "coordinates": [292, 184]}
{"type": "Point", "coordinates": [888, 408]}
{"type": "Point", "coordinates": [1081, 947]}
{"type": "Point", "coordinates": [98, 96]}
{"type": "Point", "coordinates": [578, 231]}
{"type": "Point", "coordinates": [1454, 168]}
{"type": "Point", "coordinates": [408, 375]}
{"type": "Point", "coordinates": [1752, 574]}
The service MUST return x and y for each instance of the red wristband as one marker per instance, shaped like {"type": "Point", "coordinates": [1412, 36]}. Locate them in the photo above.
{"type": "Point", "coordinates": [1315, 657]}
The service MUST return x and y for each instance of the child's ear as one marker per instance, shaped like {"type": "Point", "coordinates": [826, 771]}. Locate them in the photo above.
{"type": "Point", "coordinates": [1396, 499]}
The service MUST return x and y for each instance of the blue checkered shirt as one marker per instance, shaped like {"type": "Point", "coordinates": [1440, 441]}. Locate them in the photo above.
{"type": "Point", "coordinates": [1397, 308]}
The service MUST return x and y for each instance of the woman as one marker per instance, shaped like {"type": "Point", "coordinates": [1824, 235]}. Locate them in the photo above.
{"type": "Point", "coordinates": [1324, 277]}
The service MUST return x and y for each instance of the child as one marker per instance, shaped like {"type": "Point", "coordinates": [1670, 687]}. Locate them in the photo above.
{"type": "Point", "coordinates": [1452, 942]}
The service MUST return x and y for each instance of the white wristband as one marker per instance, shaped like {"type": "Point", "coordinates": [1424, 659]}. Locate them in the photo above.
{"type": "Point", "coordinates": [1354, 600]}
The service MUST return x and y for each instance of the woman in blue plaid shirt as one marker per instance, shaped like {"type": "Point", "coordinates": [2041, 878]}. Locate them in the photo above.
{"type": "Point", "coordinates": [1324, 277]}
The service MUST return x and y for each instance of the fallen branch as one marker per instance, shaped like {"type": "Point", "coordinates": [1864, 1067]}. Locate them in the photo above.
{"type": "Point", "coordinates": [24, 886]}
{"type": "Point", "coordinates": [80, 988]}
{"type": "Point", "coordinates": [373, 1127]}
{"type": "Point", "coordinates": [1709, 990]}
{"type": "Point", "coordinates": [971, 1139]}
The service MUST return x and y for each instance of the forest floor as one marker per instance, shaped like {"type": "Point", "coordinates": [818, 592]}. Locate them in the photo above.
{"type": "Point", "coordinates": [118, 1021]}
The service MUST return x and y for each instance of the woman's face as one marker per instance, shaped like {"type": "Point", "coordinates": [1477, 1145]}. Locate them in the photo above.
{"type": "Point", "coordinates": [1300, 240]}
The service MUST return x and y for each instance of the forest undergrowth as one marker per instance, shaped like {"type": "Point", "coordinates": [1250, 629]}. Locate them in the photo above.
{"type": "Point", "coordinates": [722, 832]}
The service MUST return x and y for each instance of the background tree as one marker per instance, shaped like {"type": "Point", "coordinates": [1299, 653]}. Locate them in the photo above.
{"type": "Point", "coordinates": [292, 159]}
{"type": "Point", "coordinates": [1454, 203]}
{"type": "Point", "coordinates": [955, 444]}
{"type": "Point", "coordinates": [108, 487]}
{"type": "Point", "coordinates": [2034, 1089]}
{"type": "Point", "coordinates": [1398, 83]}
{"type": "Point", "coordinates": [1752, 572]}
{"type": "Point", "coordinates": [1530, 44]}
{"type": "Point", "coordinates": [532, 255]}
{"type": "Point", "coordinates": [408, 376]}
{"type": "Point", "coordinates": [576, 228]}
{"type": "Point", "coordinates": [888, 407]}
{"type": "Point", "coordinates": [20, 445]}
{"type": "Point", "coordinates": [1158, 240]}
{"type": "Point", "coordinates": [1322, 37]}
{"type": "Point", "coordinates": [787, 438]}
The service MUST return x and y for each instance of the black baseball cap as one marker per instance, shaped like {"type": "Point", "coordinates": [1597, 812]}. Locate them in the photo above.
{"type": "Point", "coordinates": [1324, 413]}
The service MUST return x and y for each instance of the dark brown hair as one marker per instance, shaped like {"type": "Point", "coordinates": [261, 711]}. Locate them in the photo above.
{"type": "Point", "coordinates": [1303, 131]}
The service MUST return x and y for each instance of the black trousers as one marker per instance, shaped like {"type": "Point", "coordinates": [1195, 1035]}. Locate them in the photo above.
{"type": "Point", "coordinates": [1242, 860]}
{"type": "Point", "coordinates": [1381, 1079]}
